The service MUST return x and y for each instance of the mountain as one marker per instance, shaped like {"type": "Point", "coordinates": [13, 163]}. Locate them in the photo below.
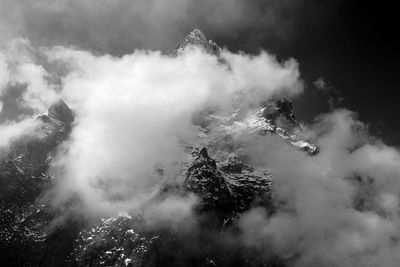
{"type": "Point", "coordinates": [219, 174]}
{"type": "Point", "coordinates": [197, 38]}
{"type": "Point", "coordinates": [25, 237]}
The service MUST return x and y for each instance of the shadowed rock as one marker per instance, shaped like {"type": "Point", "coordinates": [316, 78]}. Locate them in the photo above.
{"type": "Point", "coordinates": [204, 179]}
{"type": "Point", "coordinates": [280, 112]}
{"type": "Point", "coordinates": [61, 112]}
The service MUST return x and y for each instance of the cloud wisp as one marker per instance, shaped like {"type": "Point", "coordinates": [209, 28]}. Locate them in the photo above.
{"type": "Point", "coordinates": [118, 27]}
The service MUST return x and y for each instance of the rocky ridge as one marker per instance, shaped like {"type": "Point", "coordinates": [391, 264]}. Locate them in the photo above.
{"type": "Point", "coordinates": [25, 237]}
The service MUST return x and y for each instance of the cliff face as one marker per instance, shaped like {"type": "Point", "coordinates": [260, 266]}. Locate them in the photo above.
{"type": "Point", "coordinates": [25, 238]}
{"type": "Point", "coordinates": [219, 174]}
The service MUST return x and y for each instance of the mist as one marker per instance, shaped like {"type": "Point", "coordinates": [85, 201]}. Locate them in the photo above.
{"type": "Point", "coordinates": [120, 26]}
{"type": "Point", "coordinates": [338, 208]}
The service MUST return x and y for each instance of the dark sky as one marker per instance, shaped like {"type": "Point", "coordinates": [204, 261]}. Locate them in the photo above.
{"type": "Point", "coordinates": [352, 45]}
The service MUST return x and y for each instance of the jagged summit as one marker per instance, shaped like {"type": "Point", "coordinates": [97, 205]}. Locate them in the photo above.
{"type": "Point", "coordinates": [195, 37]}
{"type": "Point", "coordinates": [198, 38]}
{"type": "Point", "coordinates": [61, 112]}
{"type": "Point", "coordinates": [203, 152]}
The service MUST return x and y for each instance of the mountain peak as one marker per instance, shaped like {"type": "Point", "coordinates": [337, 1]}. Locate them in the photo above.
{"type": "Point", "coordinates": [198, 34]}
{"type": "Point", "coordinates": [197, 38]}
{"type": "Point", "coordinates": [60, 111]}
{"type": "Point", "coordinates": [203, 152]}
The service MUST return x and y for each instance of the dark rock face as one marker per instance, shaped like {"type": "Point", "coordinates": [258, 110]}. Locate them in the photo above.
{"type": "Point", "coordinates": [25, 238]}
{"type": "Point", "coordinates": [206, 181]}
{"type": "Point", "coordinates": [249, 187]}
{"type": "Point", "coordinates": [280, 112]}
{"type": "Point", "coordinates": [276, 117]}
{"type": "Point", "coordinates": [61, 112]}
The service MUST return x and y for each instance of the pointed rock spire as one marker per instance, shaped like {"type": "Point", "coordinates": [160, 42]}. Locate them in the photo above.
{"type": "Point", "coordinates": [197, 38]}
{"type": "Point", "coordinates": [204, 179]}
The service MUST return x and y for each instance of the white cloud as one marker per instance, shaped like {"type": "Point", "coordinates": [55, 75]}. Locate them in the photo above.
{"type": "Point", "coordinates": [22, 68]}
{"type": "Point", "coordinates": [18, 67]}
{"type": "Point", "coordinates": [134, 113]}
{"type": "Point", "coordinates": [338, 208]}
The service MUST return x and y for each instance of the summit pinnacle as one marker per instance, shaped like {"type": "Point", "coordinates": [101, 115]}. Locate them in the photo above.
{"type": "Point", "coordinates": [197, 38]}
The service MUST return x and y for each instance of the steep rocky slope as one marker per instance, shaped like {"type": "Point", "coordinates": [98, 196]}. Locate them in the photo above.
{"type": "Point", "coordinates": [26, 238]}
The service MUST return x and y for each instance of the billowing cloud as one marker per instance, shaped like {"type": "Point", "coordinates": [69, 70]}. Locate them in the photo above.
{"type": "Point", "coordinates": [134, 114]}
{"type": "Point", "coordinates": [19, 69]}
{"type": "Point", "coordinates": [339, 208]}
{"type": "Point", "coordinates": [22, 68]}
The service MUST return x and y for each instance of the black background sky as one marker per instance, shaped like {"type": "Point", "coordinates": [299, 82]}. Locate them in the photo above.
{"type": "Point", "coordinates": [352, 45]}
